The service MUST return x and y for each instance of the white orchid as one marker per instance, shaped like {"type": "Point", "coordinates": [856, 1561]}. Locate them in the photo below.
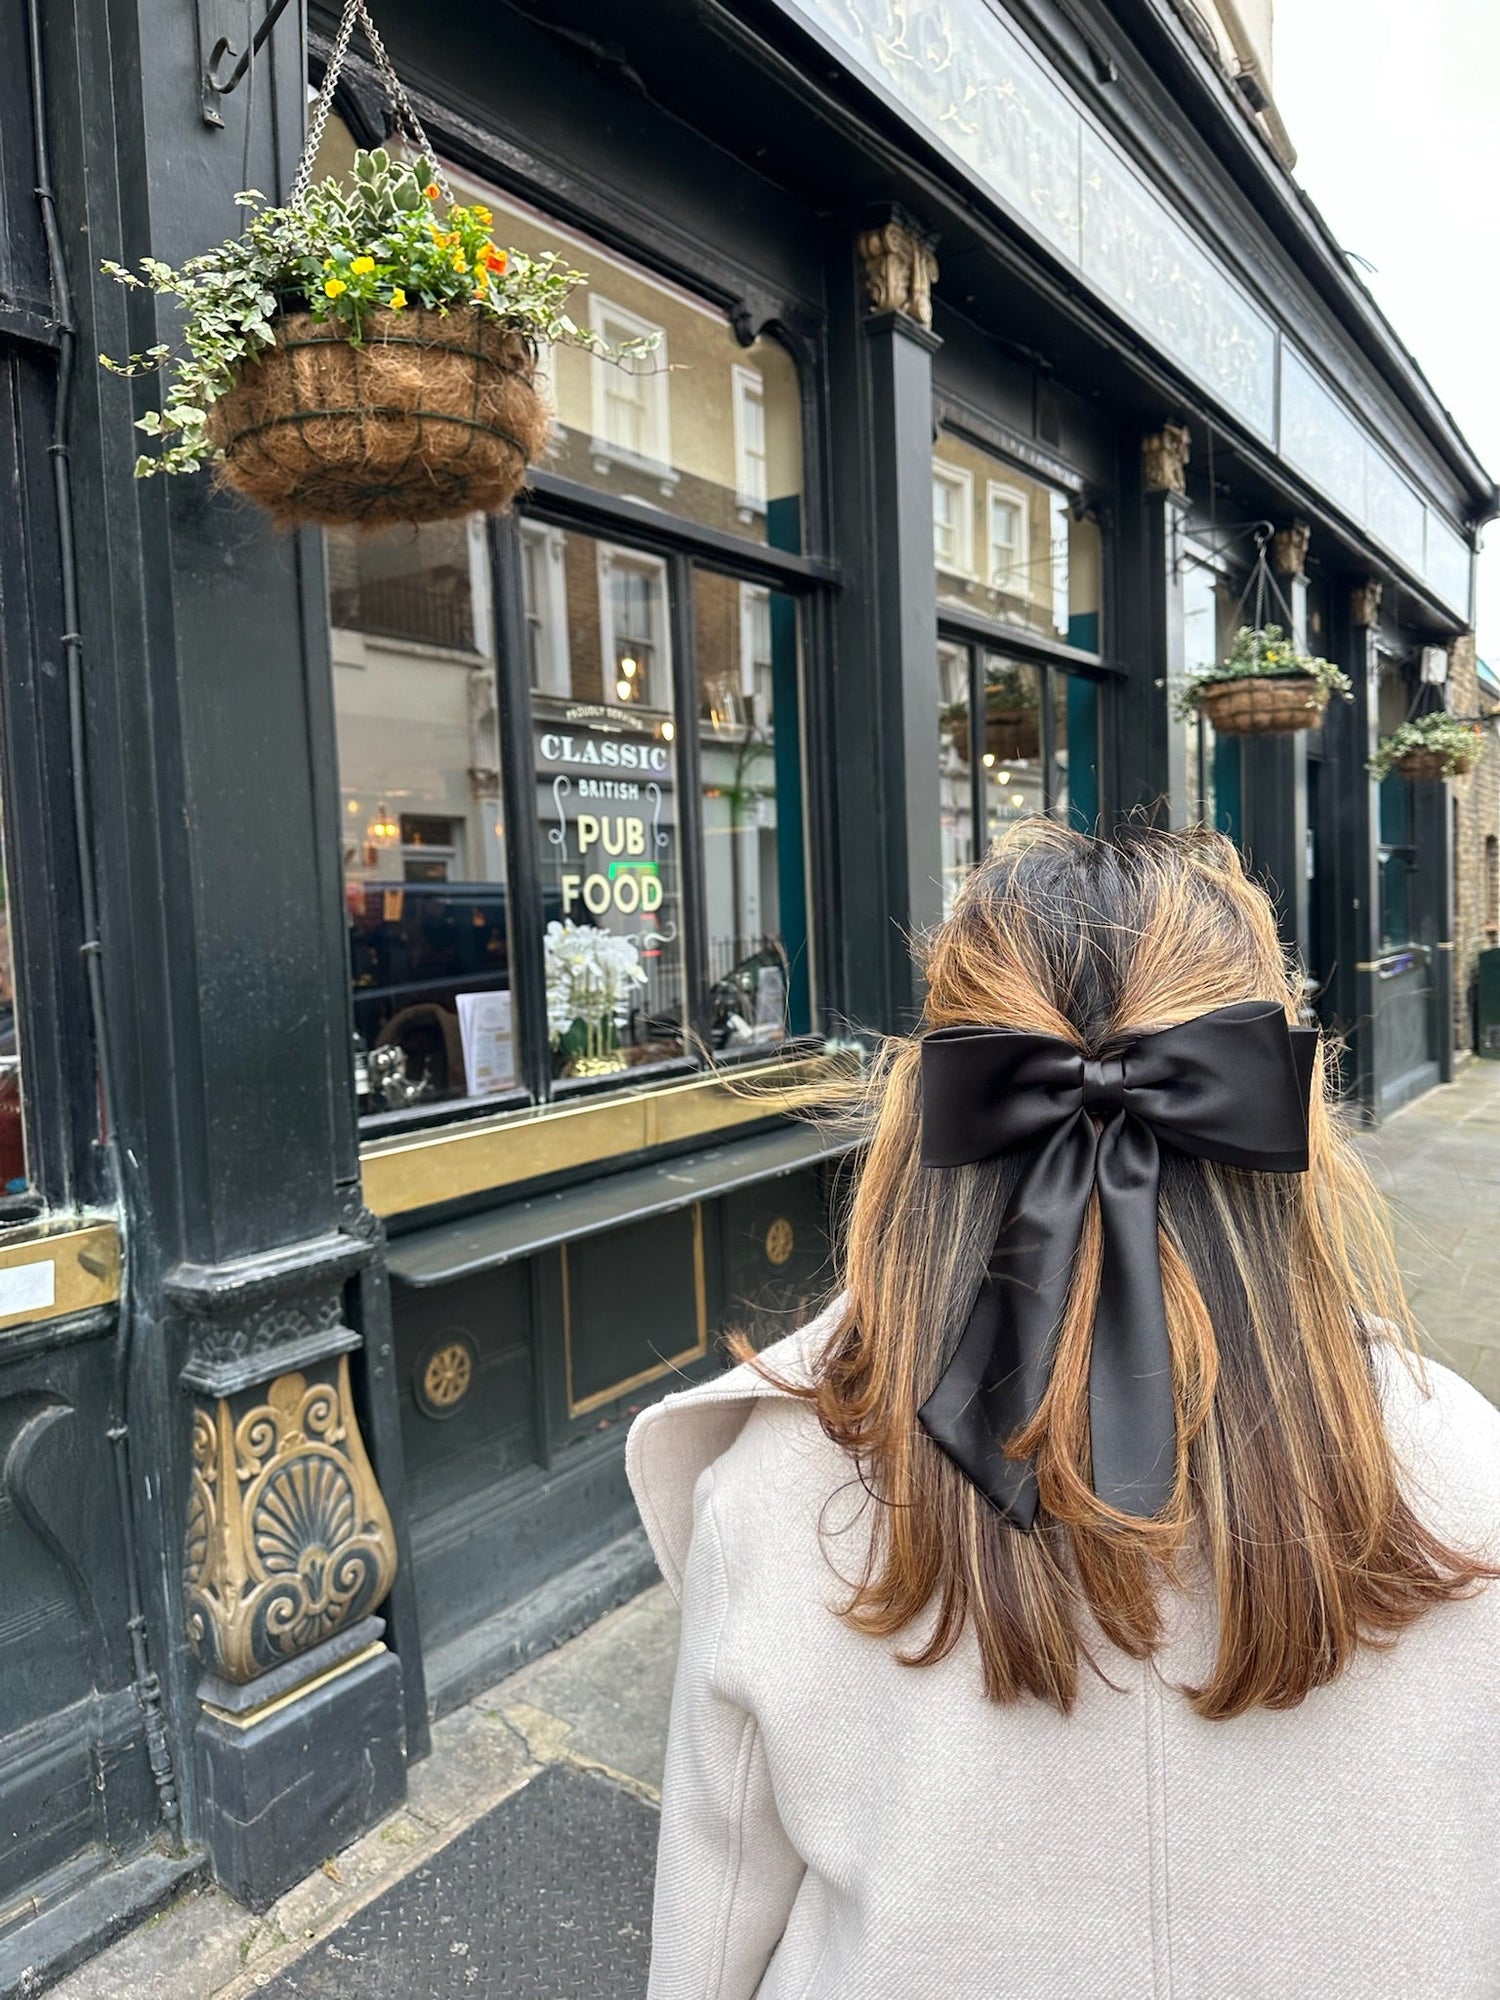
{"type": "Point", "coordinates": [591, 976]}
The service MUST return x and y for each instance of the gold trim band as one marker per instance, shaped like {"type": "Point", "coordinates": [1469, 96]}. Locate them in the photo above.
{"type": "Point", "coordinates": [53, 1276]}
{"type": "Point", "coordinates": [405, 1174]}
{"type": "Point", "coordinates": [247, 1718]}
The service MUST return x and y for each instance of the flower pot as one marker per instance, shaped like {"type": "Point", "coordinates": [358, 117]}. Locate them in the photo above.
{"type": "Point", "coordinates": [1433, 764]}
{"type": "Point", "coordinates": [432, 416]}
{"type": "Point", "coordinates": [1011, 735]}
{"type": "Point", "coordinates": [1270, 705]}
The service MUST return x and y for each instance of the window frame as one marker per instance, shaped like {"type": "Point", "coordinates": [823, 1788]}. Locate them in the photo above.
{"type": "Point", "coordinates": [748, 386]}
{"type": "Point", "coordinates": [1013, 497]}
{"type": "Point", "coordinates": [958, 479]}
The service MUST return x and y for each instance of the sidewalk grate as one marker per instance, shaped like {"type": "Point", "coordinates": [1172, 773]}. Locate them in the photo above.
{"type": "Point", "coordinates": [545, 1898]}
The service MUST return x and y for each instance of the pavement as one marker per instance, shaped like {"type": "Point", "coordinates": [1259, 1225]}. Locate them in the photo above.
{"type": "Point", "coordinates": [520, 1867]}
{"type": "Point", "coordinates": [1437, 1162]}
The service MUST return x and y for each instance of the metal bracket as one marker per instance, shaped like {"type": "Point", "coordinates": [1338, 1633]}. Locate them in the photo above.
{"type": "Point", "coordinates": [219, 47]}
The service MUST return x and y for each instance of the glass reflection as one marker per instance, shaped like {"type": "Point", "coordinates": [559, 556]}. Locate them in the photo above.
{"type": "Point", "coordinates": [748, 668]}
{"type": "Point", "coordinates": [702, 427]}
{"type": "Point", "coordinates": [1011, 760]}
{"type": "Point", "coordinates": [1009, 547]}
{"type": "Point", "coordinates": [955, 770]}
{"type": "Point", "coordinates": [423, 833]}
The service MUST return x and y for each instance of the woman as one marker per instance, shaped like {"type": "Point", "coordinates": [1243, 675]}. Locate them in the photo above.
{"type": "Point", "coordinates": [1091, 1604]}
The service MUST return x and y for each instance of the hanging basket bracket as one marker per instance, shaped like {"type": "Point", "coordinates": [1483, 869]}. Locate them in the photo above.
{"type": "Point", "coordinates": [223, 64]}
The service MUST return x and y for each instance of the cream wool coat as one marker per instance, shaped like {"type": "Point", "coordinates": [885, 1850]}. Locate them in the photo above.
{"type": "Point", "coordinates": [836, 1826]}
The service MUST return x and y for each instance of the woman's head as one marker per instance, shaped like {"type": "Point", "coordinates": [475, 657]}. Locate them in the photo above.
{"type": "Point", "coordinates": [1286, 1499]}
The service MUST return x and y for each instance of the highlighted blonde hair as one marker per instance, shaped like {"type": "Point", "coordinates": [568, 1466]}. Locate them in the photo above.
{"type": "Point", "coordinates": [1281, 1291]}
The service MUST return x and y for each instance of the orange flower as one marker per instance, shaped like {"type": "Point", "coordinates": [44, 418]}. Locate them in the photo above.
{"type": "Point", "coordinates": [494, 260]}
{"type": "Point", "coordinates": [432, 190]}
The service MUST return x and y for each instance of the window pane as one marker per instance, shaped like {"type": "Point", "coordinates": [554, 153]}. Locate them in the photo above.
{"type": "Point", "coordinates": [1208, 601]}
{"type": "Point", "coordinates": [746, 643]}
{"type": "Point", "coordinates": [1012, 755]}
{"type": "Point", "coordinates": [702, 426]}
{"type": "Point", "coordinates": [1009, 547]}
{"type": "Point", "coordinates": [13, 1178]}
{"type": "Point", "coordinates": [1075, 751]}
{"type": "Point", "coordinates": [955, 769]}
{"type": "Point", "coordinates": [607, 800]}
{"type": "Point", "coordinates": [423, 834]}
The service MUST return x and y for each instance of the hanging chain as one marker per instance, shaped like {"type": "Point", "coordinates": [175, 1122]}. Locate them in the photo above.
{"type": "Point", "coordinates": [357, 11]}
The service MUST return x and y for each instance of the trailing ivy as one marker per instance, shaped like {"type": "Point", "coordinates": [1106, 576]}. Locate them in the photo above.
{"type": "Point", "coordinates": [1459, 744]}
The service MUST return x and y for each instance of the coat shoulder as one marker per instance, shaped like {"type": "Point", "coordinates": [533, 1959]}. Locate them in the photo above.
{"type": "Point", "coordinates": [672, 1444]}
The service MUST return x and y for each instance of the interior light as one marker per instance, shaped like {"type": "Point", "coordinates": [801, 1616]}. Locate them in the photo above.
{"type": "Point", "coordinates": [354, 805]}
{"type": "Point", "coordinates": [989, 760]}
{"type": "Point", "coordinates": [628, 668]}
{"type": "Point", "coordinates": [622, 689]}
{"type": "Point", "coordinates": [1005, 777]}
{"type": "Point", "coordinates": [668, 731]}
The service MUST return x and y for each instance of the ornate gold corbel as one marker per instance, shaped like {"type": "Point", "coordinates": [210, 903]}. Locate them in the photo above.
{"type": "Point", "coordinates": [1289, 549]}
{"type": "Point", "coordinates": [1364, 603]}
{"type": "Point", "coordinates": [1164, 458]}
{"type": "Point", "coordinates": [288, 1535]}
{"type": "Point", "coordinates": [901, 269]}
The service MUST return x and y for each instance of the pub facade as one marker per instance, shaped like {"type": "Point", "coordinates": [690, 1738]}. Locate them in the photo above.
{"type": "Point", "coordinates": [341, 1238]}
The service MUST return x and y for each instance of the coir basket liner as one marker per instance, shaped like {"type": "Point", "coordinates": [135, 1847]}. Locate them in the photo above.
{"type": "Point", "coordinates": [432, 415]}
{"type": "Point", "coordinates": [1432, 764]}
{"type": "Point", "coordinates": [1269, 706]}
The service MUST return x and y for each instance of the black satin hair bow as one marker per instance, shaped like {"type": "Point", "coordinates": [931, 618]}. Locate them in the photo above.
{"type": "Point", "coordinates": [1231, 1086]}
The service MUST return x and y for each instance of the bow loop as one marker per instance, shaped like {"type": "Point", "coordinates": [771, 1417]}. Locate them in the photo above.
{"type": "Point", "coordinates": [1231, 1086]}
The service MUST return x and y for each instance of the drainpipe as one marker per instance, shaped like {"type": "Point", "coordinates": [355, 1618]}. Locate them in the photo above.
{"type": "Point", "coordinates": [1251, 80]}
{"type": "Point", "coordinates": [147, 1684]}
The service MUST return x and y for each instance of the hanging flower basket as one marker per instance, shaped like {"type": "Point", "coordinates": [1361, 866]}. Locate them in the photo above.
{"type": "Point", "coordinates": [1431, 747]}
{"type": "Point", "coordinates": [1267, 686]}
{"type": "Point", "coordinates": [1012, 726]}
{"type": "Point", "coordinates": [365, 354]}
{"type": "Point", "coordinates": [429, 416]}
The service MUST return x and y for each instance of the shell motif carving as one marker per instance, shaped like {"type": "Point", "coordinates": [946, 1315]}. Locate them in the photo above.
{"type": "Point", "coordinates": [288, 1538]}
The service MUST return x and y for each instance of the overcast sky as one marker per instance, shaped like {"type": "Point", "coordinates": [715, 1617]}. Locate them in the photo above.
{"type": "Point", "coordinates": [1392, 106]}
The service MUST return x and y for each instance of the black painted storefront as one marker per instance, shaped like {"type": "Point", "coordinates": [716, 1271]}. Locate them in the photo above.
{"type": "Point", "coordinates": [454, 1310]}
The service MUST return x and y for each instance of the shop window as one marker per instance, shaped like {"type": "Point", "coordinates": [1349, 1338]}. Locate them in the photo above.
{"type": "Point", "coordinates": [624, 895]}
{"type": "Point", "coordinates": [423, 825]}
{"type": "Point", "coordinates": [1396, 847]}
{"type": "Point", "coordinates": [1015, 737]}
{"type": "Point", "coordinates": [1041, 567]}
{"type": "Point", "coordinates": [747, 650]}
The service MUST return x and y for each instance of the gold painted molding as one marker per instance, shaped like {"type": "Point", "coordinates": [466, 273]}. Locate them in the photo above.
{"type": "Point", "coordinates": [405, 1174]}
{"type": "Point", "coordinates": [85, 1271]}
{"type": "Point", "coordinates": [288, 1537]}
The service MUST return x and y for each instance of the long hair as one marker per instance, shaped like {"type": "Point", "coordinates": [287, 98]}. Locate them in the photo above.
{"type": "Point", "coordinates": [1280, 1290]}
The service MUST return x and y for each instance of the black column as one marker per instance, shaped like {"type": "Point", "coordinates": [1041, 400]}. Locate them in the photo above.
{"type": "Point", "coordinates": [213, 808]}
{"type": "Point", "coordinates": [886, 685]}
{"type": "Point", "coordinates": [1153, 519]}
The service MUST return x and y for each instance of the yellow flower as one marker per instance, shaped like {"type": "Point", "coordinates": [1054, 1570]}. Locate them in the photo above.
{"type": "Point", "coordinates": [460, 261]}
{"type": "Point", "coordinates": [333, 286]}
{"type": "Point", "coordinates": [362, 266]}
{"type": "Point", "coordinates": [398, 299]}
{"type": "Point", "coordinates": [327, 263]}
{"type": "Point", "coordinates": [483, 215]}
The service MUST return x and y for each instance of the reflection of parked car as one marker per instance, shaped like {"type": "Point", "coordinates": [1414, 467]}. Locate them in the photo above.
{"type": "Point", "coordinates": [413, 948]}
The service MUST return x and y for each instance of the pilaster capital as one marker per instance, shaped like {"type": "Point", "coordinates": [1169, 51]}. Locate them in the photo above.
{"type": "Point", "coordinates": [1364, 602]}
{"type": "Point", "coordinates": [901, 266]}
{"type": "Point", "coordinates": [1289, 549]}
{"type": "Point", "coordinates": [1164, 458]}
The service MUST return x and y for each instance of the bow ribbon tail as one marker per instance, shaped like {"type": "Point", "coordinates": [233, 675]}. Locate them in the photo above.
{"type": "Point", "coordinates": [995, 1382]}
{"type": "Point", "coordinates": [1132, 1410]}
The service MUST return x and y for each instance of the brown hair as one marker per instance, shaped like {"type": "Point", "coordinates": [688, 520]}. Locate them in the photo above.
{"type": "Point", "coordinates": [1279, 1290]}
